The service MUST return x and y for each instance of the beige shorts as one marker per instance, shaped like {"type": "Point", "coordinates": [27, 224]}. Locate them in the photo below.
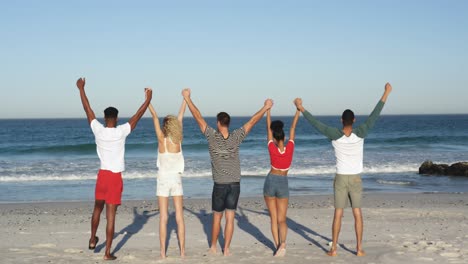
{"type": "Point", "coordinates": [347, 188]}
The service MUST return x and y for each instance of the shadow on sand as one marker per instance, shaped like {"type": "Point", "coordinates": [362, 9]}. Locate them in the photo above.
{"type": "Point", "coordinates": [139, 220]}
{"type": "Point", "coordinates": [206, 219]}
{"type": "Point", "coordinates": [244, 224]}
{"type": "Point", "coordinates": [305, 232]}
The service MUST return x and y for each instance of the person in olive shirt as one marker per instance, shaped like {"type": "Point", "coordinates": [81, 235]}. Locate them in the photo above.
{"type": "Point", "coordinates": [348, 143]}
{"type": "Point", "coordinates": [225, 165]}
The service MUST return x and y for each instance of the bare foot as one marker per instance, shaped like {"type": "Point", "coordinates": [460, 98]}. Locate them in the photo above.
{"type": "Point", "coordinates": [162, 255]}
{"type": "Point", "coordinates": [227, 252]}
{"type": "Point", "coordinates": [92, 245]}
{"type": "Point", "coordinates": [332, 252]}
{"type": "Point", "coordinates": [182, 253]}
{"type": "Point", "coordinates": [281, 252]}
{"type": "Point", "coordinates": [212, 250]}
{"type": "Point", "coordinates": [110, 257]}
{"type": "Point", "coordinates": [360, 253]}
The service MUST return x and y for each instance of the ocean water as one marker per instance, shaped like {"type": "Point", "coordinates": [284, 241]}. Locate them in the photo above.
{"type": "Point", "coordinates": [55, 159]}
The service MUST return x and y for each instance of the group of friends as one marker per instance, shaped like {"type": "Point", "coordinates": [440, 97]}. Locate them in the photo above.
{"type": "Point", "coordinates": [223, 144]}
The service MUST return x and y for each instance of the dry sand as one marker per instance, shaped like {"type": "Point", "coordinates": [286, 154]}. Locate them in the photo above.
{"type": "Point", "coordinates": [399, 228]}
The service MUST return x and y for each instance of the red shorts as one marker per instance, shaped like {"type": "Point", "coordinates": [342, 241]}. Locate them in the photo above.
{"type": "Point", "coordinates": [109, 187]}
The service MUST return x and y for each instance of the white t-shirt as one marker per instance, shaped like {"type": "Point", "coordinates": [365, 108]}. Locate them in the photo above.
{"type": "Point", "coordinates": [110, 145]}
{"type": "Point", "coordinates": [349, 153]}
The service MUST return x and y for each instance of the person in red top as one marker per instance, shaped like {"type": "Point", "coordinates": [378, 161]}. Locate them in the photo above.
{"type": "Point", "coordinates": [275, 189]}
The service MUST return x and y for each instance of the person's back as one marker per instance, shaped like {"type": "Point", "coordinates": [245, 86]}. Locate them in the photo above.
{"type": "Point", "coordinates": [348, 144]}
{"type": "Point", "coordinates": [225, 164]}
{"type": "Point", "coordinates": [110, 145]}
{"type": "Point", "coordinates": [224, 154]}
{"type": "Point", "coordinates": [276, 186]}
{"type": "Point", "coordinates": [170, 162]}
{"type": "Point", "coordinates": [349, 152]}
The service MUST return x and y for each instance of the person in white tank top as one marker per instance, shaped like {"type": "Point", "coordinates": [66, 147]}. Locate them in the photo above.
{"type": "Point", "coordinates": [170, 165]}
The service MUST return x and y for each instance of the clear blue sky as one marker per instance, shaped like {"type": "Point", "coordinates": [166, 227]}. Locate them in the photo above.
{"type": "Point", "coordinates": [234, 55]}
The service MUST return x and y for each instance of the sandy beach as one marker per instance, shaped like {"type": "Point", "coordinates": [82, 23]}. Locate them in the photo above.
{"type": "Point", "coordinates": [399, 228]}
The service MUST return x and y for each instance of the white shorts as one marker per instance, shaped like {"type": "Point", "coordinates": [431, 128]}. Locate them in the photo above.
{"type": "Point", "coordinates": [169, 186]}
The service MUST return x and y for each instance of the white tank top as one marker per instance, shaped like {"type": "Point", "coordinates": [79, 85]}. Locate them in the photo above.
{"type": "Point", "coordinates": [170, 163]}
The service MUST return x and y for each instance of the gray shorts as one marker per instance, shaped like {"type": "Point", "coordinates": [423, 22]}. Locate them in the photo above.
{"type": "Point", "coordinates": [347, 188]}
{"type": "Point", "coordinates": [276, 186]}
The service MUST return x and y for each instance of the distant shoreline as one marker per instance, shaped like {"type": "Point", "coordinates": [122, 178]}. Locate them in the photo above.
{"type": "Point", "coordinates": [213, 116]}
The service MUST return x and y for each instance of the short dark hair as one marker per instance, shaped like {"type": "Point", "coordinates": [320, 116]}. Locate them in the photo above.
{"type": "Point", "coordinates": [347, 117]}
{"type": "Point", "coordinates": [224, 119]}
{"type": "Point", "coordinates": [111, 112]}
{"type": "Point", "coordinates": [277, 129]}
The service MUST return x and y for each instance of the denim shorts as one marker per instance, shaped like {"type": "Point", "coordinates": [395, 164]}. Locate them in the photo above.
{"type": "Point", "coordinates": [225, 196]}
{"type": "Point", "coordinates": [276, 186]}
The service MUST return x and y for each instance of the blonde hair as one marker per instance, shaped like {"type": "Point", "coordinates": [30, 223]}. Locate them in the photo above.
{"type": "Point", "coordinates": [172, 129]}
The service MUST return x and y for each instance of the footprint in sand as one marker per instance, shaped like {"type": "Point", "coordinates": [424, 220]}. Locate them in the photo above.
{"type": "Point", "coordinates": [44, 246]}
{"type": "Point", "coordinates": [450, 254]}
{"type": "Point", "coordinates": [423, 244]}
{"type": "Point", "coordinates": [425, 259]}
{"type": "Point", "coordinates": [432, 248]}
{"type": "Point", "coordinates": [129, 257]}
{"type": "Point", "coordinates": [442, 244]}
{"type": "Point", "coordinates": [72, 250]}
{"type": "Point", "coordinates": [407, 243]}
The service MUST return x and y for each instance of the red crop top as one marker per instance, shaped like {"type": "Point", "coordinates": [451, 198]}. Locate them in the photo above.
{"type": "Point", "coordinates": [281, 160]}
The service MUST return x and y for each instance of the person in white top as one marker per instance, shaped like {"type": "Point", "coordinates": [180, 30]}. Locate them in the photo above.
{"type": "Point", "coordinates": [110, 146]}
{"type": "Point", "coordinates": [170, 165]}
{"type": "Point", "coordinates": [348, 143]}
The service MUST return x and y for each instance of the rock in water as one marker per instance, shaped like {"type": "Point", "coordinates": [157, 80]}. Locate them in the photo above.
{"type": "Point", "coordinates": [428, 167]}
{"type": "Point", "coordinates": [456, 169]}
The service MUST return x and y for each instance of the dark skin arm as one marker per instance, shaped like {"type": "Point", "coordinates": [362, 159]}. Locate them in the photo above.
{"type": "Point", "coordinates": [80, 83]}
{"type": "Point", "coordinates": [135, 118]}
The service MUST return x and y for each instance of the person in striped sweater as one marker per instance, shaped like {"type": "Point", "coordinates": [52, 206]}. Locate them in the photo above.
{"type": "Point", "coordinates": [225, 165]}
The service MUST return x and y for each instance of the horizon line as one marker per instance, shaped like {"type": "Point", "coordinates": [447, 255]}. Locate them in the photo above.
{"type": "Point", "coordinates": [210, 116]}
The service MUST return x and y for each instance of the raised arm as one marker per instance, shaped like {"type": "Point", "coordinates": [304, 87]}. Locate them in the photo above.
{"type": "Point", "coordinates": [292, 130]}
{"type": "Point", "coordinates": [180, 117]}
{"type": "Point", "coordinates": [363, 129]}
{"type": "Point", "coordinates": [194, 110]}
{"type": "Point", "coordinates": [331, 133]}
{"type": "Point", "coordinates": [257, 116]}
{"type": "Point", "coordinates": [388, 90]}
{"type": "Point", "coordinates": [135, 118]}
{"type": "Point", "coordinates": [80, 83]}
{"type": "Point", "coordinates": [157, 126]}
{"type": "Point", "coordinates": [268, 123]}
